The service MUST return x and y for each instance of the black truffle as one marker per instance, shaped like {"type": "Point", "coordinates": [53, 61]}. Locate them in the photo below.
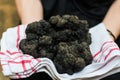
{"type": "Point", "coordinates": [63, 39]}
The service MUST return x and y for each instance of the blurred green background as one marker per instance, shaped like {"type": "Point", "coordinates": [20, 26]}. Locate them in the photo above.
{"type": "Point", "coordinates": [8, 18]}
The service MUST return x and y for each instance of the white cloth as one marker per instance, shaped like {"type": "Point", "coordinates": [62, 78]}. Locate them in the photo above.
{"type": "Point", "coordinates": [15, 64]}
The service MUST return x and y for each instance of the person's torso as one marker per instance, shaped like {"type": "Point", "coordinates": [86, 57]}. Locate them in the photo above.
{"type": "Point", "coordinates": [91, 10]}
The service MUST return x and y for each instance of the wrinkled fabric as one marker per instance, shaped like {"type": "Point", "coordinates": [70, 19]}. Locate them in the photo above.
{"type": "Point", "coordinates": [16, 65]}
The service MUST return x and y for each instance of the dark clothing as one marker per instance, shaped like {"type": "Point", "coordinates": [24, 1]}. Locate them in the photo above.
{"type": "Point", "coordinates": [91, 10]}
{"type": "Point", "coordinates": [37, 76]}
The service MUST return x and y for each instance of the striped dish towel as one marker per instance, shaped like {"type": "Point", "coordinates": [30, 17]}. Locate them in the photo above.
{"type": "Point", "coordinates": [15, 64]}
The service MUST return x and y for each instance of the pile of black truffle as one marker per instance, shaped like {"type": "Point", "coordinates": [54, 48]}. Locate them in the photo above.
{"type": "Point", "coordinates": [63, 39]}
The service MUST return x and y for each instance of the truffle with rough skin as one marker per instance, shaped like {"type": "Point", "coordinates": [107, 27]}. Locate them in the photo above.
{"type": "Point", "coordinates": [29, 47]}
{"type": "Point", "coordinates": [63, 39]}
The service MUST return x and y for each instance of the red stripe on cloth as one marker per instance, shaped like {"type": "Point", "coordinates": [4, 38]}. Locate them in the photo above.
{"type": "Point", "coordinates": [110, 52]}
{"type": "Point", "coordinates": [23, 61]}
{"type": "Point", "coordinates": [17, 42]}
{"type": "Point", "coordinates": [34, 70]}
{"type": "Point", "coordinates": [23, 65]}
{"type": "Point", "coordinates": [28, 73]}
{"type": "Point", "coordinates": [18, 37]}
{"type": "Point", "coordinates": [101, 48]}
{"type": "Point", "coordinates": [108, 47]}
{"type": "Point", "coordinates": [12, 53]}
{"type": "Point", "coordinates": [105, 49]}
{"type": "Point", "coordinates": [2, 53]}
{"type": "Point", "coordinates": [106, 63]}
